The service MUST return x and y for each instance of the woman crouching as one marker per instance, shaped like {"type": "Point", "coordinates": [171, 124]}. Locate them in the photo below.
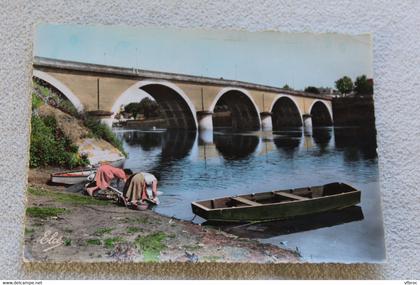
{"type": "Point", "coordinates": [135, 188]}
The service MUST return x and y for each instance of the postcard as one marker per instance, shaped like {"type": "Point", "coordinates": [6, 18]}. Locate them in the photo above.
{"type": "Point", "coordinates": [156, 145]}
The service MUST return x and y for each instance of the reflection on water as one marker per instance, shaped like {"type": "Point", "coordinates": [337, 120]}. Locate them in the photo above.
{"type": "Point", "coordinates": [197, 166]}
{"type": "Point", "coordinates": [356, 143]}
{"type": "Point", "coordinates": [235, 146]}
{"type": "Point", "coordinates": [288, 141]}
{"type": "Point", "coordinates": [295, 225]}
{"type": "Point", "coordinates": [146, 140]}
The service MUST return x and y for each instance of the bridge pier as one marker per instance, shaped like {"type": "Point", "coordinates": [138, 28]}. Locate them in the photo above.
{"type": "Point", "coordinates": [206, 136]}
{"type": "Point", "coordinates": [205, 120]}
{"type": "Point", "coordinates": [266, 121]}
{"type": "Point", "coordinates": [307, 121]}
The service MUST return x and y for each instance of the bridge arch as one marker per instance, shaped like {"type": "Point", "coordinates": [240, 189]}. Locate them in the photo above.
{"type": "Point", "coordinates": [321, 114]}
{"type": "Point", "coordinates": [178, 109]}
{"type": "Point", "coordinates": [60, 87]}
{"type": "Point", "coordinates": [244, 113]}
{"type": "Point", "coordinates": [285, 112]}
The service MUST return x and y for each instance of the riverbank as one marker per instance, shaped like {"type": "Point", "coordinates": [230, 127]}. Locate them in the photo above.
{"type": "Point", "coordinates": [63, 227]}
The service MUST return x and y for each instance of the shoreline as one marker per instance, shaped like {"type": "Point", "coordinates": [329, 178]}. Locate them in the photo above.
{"type": "Point", "coordinates": [93, 230]}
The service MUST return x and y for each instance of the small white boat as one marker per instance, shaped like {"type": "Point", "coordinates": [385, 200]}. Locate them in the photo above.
{"type": "Point", "coordinates": [77, 176]}
{"type": "Point", "coordinates": [72, 177]}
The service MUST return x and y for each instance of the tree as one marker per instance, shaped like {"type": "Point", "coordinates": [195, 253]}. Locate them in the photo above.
{"type": "Point", "coordinates": [363, 86]}
{"type": "Point", "coordinates": [150, 108]}
{"type": "Point", "coordinates": [287, 87]}
{"type": "Point", "coordinates": [344, 85]}
{"type": "Point", "coordinates": [133, 108]}
{"type": "Point", "coordinates": [147, 107]}
{"type": "Point", "coordinates": [312, 89]}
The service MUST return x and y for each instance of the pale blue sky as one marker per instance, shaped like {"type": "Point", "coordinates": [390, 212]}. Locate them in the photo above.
{"type": "Point", "coordinates": [269, 58]}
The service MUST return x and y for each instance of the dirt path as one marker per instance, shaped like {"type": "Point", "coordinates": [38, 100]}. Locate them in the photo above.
{"type": "Point", "coordinates": [80, 228]}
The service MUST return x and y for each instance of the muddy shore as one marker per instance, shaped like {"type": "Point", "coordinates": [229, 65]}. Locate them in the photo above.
{"type": "Point", "coordinates": [62, 226]}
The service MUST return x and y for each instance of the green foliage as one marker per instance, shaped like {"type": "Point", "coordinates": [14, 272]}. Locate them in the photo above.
{"type": "Point", "coordinates": [363, 86]}
{"type": "Point", "coordinates": [49, 146]}
{"type": "Point", "coordinates": [66, 198]}
{"type": "Point", "coordinates": [147, 107]}
{"type": "Point", "coordinates": [151, 245]}
{"type": "Point", "coordinates": [131, 230]}
{"type": "Point", "coordinates": [110, 242]}
{"type": "Point", "coordinates": [140, 220]}
{"type": "Point", "coordinates": [67, 107]}
{"type": "Point", "coordinates": [44, 212]}
{"type": "Point", "coordinates": [94, 241]}
{"type": "Point", "coordinates": [312, 89]}
{"type": "Point", "coordinates": [104, 132]}
{"type": "Point", "coordinates": [287, 87]}
{"type": "Point", "coordinates": [67, 242]}
{"type": "Point", "coordinates": [344, 85]}
{"type": "Point", "coordinates": [36, 102]}
{"type": "Point", "coordinates": [53, 98]}
{"type": "Point", "coordinates": [102, 231]}
{"type": "Point", "coordinates": [29, 231]}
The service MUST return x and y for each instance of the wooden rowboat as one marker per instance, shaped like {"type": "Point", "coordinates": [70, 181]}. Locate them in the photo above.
{"type": "Point", "coordinates": [72, 177]}
{"type": "Point", "coordinates": [277, 205]}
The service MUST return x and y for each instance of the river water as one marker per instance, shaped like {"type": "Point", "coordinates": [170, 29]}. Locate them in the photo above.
{"type": "Point", "coordinates": [194, 166]}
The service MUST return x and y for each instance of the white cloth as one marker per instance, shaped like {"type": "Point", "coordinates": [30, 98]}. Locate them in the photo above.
{"type": "Point", "coordinates": [149, 178]}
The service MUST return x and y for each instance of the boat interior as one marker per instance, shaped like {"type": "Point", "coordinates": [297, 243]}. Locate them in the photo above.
{"type": "Point", "coordinates": [279, 196]}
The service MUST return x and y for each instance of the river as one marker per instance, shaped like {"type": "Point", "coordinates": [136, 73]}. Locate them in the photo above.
{"type": "Point", "coordinates": [194, 166]}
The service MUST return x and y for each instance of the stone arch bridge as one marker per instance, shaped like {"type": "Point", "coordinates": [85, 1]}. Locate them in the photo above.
{"type": "Point", "coordinates": [187, 102]}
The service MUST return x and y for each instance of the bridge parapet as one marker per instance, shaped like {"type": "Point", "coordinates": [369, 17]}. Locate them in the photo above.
{"type": "Point", "coordinates": [188, 101]}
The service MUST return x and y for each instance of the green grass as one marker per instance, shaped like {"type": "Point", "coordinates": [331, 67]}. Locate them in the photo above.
{"type": "Point", "coordinates": [44, 212]}
{"type": "Point", "coordinates": [110, 242]}
{"type": "Point", "coordinates": [100, 130]}
{"type": "Point", "coordinates": [94, 241]}
{"type": "Point", "coordinates": [78, 199]}
{"type": "Point", "coordinates": [29, 231]}
{"type": "Point", "coordinates": [132, 230]}
{"type": "Point", "coordinates": [102, 231]}
{"type": "Point", "coordinates": [67, 242]}
{"type": "Point", "coordinates": [151, 245]}
{"type": "Point", "coordinates": [140, 220]}
{"type": "Point", "coordinates": [66, 198]}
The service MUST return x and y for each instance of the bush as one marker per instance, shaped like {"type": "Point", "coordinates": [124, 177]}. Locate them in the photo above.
{"type": "Point", "coordinates": [312, 89]}
{"type": "Point", "coordinates": [104, 132]}
{"type": "Point", "coordinates": [49, 146]}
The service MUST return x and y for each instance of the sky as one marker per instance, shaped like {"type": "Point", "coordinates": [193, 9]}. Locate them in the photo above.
{"type": "Point", "coordinates": [269, 58]}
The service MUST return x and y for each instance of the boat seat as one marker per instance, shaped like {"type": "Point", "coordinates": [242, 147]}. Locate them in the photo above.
{"type": "Point", "coordinates": [245, 201]}
{"type": "Point", "coordinates": [290, 195]}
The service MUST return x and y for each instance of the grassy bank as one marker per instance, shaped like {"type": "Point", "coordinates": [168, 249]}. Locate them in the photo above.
{"type": "Point", "coordinates": [57, 127]}
{"type": "Point", "coordinates": [92, 230]}
{"type": "Point", "coordinates": [49, 145]}
{"type": "Point", "coordinates": [102, 131]}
